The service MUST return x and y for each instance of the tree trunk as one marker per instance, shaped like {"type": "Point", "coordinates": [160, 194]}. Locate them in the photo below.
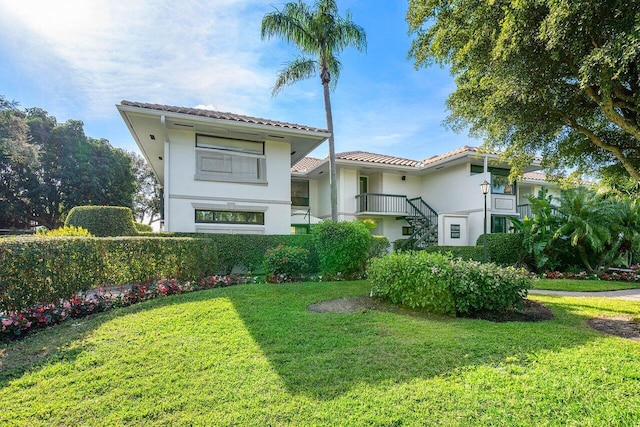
{"type": "Point", "coordinates": [326, 78]}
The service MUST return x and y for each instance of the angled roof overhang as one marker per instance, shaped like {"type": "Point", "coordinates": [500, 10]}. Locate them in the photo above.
{"type": "Point", "coordinates": [149, 125]}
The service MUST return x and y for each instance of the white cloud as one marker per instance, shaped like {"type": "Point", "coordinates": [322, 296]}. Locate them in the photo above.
{"type": "Point", "coordinates": [101, 51]}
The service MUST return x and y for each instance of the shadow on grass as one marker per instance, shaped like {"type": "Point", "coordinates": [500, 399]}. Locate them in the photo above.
{"type": "Point", "coordinates": [324, 355]}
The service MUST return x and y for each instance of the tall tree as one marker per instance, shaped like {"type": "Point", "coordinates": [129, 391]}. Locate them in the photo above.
{"type": "Point", "coordinates": [18, 160]}
{"type": "Point", "coordinates": [552, 76]}
{"type": "Point", "coordinates": [321, 35]}
{"type": "Point", "coordinates": [146, 201]}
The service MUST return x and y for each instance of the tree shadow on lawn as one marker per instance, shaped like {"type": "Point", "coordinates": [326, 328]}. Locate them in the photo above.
{"type": "Point", "coordinates": [324, 355]}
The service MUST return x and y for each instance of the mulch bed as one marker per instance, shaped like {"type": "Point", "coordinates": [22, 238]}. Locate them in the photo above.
{"type": "Point", "coordinates": [620, 326]}
{"type": "Point", "coordinates": [532, 312]}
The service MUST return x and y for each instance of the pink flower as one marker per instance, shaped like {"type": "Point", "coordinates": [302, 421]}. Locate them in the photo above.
{"type": "Point", "coordinates": [6, 322]}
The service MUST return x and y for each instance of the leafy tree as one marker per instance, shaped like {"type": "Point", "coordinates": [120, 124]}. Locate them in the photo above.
{"type": "Point", "coordinates": [48, 168]}
{"type": "Point", "coordinates": [147, 199]}
{"type": "Point", "coordinates": [552, 76]}
{"type": "Point", "coordinates": [322, 34]}
{"type": "Point", "coordinates": [18, 158]}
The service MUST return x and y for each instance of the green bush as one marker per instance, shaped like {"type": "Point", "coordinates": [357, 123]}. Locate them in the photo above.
{"type": "Point", "coordinates": [70, 231]}
{"type": "Point", "coordinates": [103, 221]}
{"type": "Point", "coordinates": [343, 247]}
{"type": "Point", "coordinates": [379, 247]}
{"type": "Point", "coordinates": [36, 270]}
{"type": "Point", "coordinates": [246, 251]}
{"type": "Point", "coordinates": [462, 252]}
{"type": "Point", "coordinates": [477, 287]}
{"type": "Point", "coordinates": [504, 248]}
{"type": "Point", "coordinates": [291, 261]}
{"type": "Point", "coordinates": [142, 228]}
{"type": "Point", "coordinates": [415, 279]}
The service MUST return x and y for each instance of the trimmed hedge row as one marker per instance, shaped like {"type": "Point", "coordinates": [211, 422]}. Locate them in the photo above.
{"type": "Point", "coordinates": [466, 253]}
{"type": "Point", "coordinates": [440, 285]}
{"type": "Point", "coordinates": [504, 248]}
{"type": "Point", "coordinates": [103, 221]}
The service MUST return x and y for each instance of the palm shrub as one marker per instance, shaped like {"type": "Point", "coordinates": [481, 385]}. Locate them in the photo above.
{"type": "Point", "coordinates": [343, 247]}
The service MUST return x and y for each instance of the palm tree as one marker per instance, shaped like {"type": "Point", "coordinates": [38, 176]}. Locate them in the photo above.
{"type": "Point", "coordinates": [320, 34]}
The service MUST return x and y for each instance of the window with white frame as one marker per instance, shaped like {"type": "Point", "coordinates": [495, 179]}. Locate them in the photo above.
{"type": "Point", "coordinates": [232, 160]}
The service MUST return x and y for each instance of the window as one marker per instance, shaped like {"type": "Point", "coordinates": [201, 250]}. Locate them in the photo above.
{"type": "Point", "coordinates": [228, 144]}
{"type": "Point", "coordinates": [407, 231]}
{"type": "Point", "coordinates": [232, 160]}
{"type": "Point", "coordinates": [300, 229]}
{"type": "Point", "coordinates": [499, 224]}
{"type": "Point", "coordinates": [206, 216]}
{"type": "Point", "coordinates": [300, 193]}
{"type": "Point", "coordinates": [499, 179]}
{"type": "Point", "coordinates": [455, 231]}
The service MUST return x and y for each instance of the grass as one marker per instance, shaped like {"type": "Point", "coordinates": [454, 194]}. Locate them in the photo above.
{"type": "Point", "coordinates": [570, 285]}
{"type": "Point", "coordinates": [254, 355]}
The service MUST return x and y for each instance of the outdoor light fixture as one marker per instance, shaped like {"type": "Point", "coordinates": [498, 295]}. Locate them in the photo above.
{"type": "Point", "coordinates": [485, 189]}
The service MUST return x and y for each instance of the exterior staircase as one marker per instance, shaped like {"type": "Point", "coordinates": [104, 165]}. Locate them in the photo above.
{"type": "Point", "coordinates": [424, 221]}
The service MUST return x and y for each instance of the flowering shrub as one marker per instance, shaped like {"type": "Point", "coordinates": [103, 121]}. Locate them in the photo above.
{"type": "Point", "coordinates": [616, 276]}
{"type": "Point", "coordinates": [67, 230]}
{"type": "Point", "coordinates": [15, 325]}
{"type": "Point", "coordinates": [289, 262]}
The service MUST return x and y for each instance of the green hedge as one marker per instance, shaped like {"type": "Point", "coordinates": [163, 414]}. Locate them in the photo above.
{"type": "Point", "coordinates": [36, 270]}
{"type": "Point", "coordinates": [103, 221]}
{"type": "Point", "coordinates": [440, 285]}
{"type": "Point", "coordinates": [342, 247]}
{"type": "Point", "coordinates": [463, 252]}
{"type": "Point", "coordinates": [504, 248]}
{"type": "Point", "coordinates": [415, 279]}
{"type": "Point", "coordinates": [142, 228]}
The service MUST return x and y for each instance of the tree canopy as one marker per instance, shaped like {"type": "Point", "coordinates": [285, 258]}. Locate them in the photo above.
{"type": "Point", "coordinates": [321, 34]}
{"type": "Point", "coordinates": [47, 168]}
{"type": "Point", "coordinates": [556, 77]}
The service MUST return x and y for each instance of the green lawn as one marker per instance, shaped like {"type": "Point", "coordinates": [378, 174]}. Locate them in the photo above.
{"type": "Point", "coordinates": [254, 355]}
{"type": "Point", "coordinates": [583, 285]}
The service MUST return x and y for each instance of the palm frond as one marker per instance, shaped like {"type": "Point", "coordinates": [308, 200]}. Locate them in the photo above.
{"type": "Point", "coordinates": [291, 24]}
{"type": "Point", "coordinates": [299, 69]}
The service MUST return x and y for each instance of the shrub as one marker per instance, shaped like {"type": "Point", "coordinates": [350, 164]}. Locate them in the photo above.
{"type": "Point", "coordinates": [504, 248]}
{"type": "Point", "coordinates": [142, 228]}
{"type": "Point", "coordinates": [477, 287]}
{"type": "Point", "coordinates": [462, 252]}
{"type": "Point", "coordinates": [414, 279]}
{"type": "Point", "coordinates": [291, 261]}
{"type": "Point", "coordinates": [70, 231]}
{"type": "Point", "coordinates": [103, 221]}
{"type": "Point", "coordinates": [379, 247]}
{"type": "Point", "coordinates": [36, 270]}
{"type": "Point", "coordinates": [342, 247]}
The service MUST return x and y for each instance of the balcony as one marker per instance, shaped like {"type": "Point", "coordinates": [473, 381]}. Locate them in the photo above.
{"type": "Point", "coordinates": [381, 203]}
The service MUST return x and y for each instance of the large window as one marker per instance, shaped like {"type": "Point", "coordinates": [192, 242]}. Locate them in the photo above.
{"type": "Point", "coordinates": [207, 216]}
{"type": "Point", "coordinates": [300, 193]}
{"type": "Point", "coordinates": [233, 160]}
{"type": "Point", "coordinates": [499, 179]}
{"type": "Point", "coordinates": [499, 224]}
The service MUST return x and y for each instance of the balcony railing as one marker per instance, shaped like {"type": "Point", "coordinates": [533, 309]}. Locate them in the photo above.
{"type": "Point", "coordinates": [524, 211]}
{"type": "Point", "coordinates": [381, 203]}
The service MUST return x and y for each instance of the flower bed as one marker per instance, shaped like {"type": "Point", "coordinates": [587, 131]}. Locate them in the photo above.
{"type": "Point", "coordinates": [630, 275]}
{"type": "Point", "coordinates": [17, 325]}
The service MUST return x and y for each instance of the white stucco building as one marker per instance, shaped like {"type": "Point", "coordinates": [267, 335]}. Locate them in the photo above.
{"type": "Point", "coordinates": [228, 173]}
{"type": "Point", "coordinates": [220, 172]}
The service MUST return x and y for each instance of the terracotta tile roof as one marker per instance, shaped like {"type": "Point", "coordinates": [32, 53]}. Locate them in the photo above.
{"type": "Point", "coordinates": [362, 156]}
{"type": "Point", "coordinates": [222, 116]}
{"type": "Point", "coordinates": [535, 176]}
{"type": "Point", "coordinates": [307, 163]}
{"type": "Point", "coordinates": [461, 150]}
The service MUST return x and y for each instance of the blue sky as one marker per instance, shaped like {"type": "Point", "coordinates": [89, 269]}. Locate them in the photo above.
{"type": "Point", "coordinates": [78, 59]}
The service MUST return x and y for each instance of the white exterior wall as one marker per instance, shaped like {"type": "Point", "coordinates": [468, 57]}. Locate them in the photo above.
{"type": "Point", "coordinates": [187, 193]}
{"type": "Point", "coordinates": [392, 183]}
{"type": "Point", "coordinates": [323, 209]}
{"type": "Point", "coordinates": [348, 189]}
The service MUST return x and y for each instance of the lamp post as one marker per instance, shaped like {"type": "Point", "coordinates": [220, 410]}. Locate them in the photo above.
{"type": "Point", "coordinates": [485, 189]}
